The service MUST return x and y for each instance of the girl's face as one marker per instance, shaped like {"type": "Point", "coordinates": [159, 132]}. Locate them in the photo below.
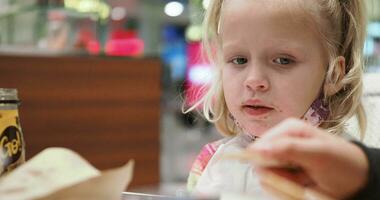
{"type": "Point", "coordinates": [274, 63]}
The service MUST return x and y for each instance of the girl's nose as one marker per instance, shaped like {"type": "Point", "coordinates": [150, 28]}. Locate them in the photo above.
{"type": "Point", "coordinates": [256, 81]}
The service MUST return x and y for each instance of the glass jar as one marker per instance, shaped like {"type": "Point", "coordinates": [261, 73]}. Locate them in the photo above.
{"type": "Point", "coordinates": [12, 146]}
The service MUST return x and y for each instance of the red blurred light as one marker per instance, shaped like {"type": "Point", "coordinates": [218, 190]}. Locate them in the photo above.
{"type": "Point", "coordinates": [93, 47]}
{"type": "Point", "coordinates": [125, 47]}
{"type": "Point", "coordinates": [195, 88]}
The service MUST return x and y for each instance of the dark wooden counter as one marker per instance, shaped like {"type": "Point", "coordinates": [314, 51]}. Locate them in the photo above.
{"type": "Point", "coordinates": [106, 109]}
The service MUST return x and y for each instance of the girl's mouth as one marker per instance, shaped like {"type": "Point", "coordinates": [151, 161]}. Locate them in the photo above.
{"type": "Point", "coordinates": [257, 110]}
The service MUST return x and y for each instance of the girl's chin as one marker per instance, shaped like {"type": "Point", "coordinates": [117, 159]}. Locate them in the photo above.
{"type": "Point", "coordinates": [257, 131]}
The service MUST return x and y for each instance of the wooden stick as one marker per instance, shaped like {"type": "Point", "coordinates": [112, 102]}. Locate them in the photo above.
{"type": "Point", "coordinates": [292, 189]}
{"type": "Point", "coordinates": [252, 157]}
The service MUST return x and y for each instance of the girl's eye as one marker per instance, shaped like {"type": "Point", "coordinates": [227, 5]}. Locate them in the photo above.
{"type": "Point", "coordinates": [239, 61]}
{"type": "Point", "coordinates": [283, 61]}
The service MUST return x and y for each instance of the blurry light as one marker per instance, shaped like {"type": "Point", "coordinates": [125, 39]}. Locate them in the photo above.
{"type": "Point", "coordinates": [200, 74]}
{"type": "Point", "coordinates": [104, 11]}
{"type": "Point", "coordinates": [71, 3]}
{"type": "Point", "coordinates": [174, 9]}
{"type": "Point", "coordinates": [89, 6]}
{"type": "Point", "coordinates": [374, 29]}
{"type": "Point", "coordinates": [125, 47]}
{"type": "Point", "coordinates": [194, 33]}
{"type": "Point", "coordinates": [93, 47]}
{"type": "Point", "coordinates": [369, 47]}
{"type": "Point", "coordinates": [118, 13]}
{"type": "Point", "coordinates": [205, 4]}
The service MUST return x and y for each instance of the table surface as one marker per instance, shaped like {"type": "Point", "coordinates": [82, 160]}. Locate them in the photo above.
{"type": "Point", "coordinates": [143, 196]}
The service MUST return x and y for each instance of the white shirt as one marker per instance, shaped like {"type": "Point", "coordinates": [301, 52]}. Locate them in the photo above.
{"type": "Point", "coordinates": [221, 175]}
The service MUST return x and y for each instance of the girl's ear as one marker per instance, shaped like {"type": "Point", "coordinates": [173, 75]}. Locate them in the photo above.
{"type": "Point", "coordinates": [334, 84]}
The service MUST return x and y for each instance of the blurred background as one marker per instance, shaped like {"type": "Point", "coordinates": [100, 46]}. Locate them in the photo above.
{"type": "Point", "coordinates": [119, 71]}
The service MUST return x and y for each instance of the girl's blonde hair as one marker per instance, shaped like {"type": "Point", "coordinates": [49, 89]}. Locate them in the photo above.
{"type": "Point", "coordinates": [342, 25]}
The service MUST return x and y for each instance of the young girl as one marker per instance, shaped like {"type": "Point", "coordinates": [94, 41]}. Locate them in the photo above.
{"type": "Point", "coordinates": [276, 59]}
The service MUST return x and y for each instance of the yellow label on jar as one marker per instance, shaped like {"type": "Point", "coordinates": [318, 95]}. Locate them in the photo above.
{"type": "Point", "coordinates": [11, 141]}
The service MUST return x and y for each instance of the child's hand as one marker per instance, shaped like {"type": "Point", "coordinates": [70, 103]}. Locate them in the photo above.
{"type": "Point", "coordinates": [327, 163]}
